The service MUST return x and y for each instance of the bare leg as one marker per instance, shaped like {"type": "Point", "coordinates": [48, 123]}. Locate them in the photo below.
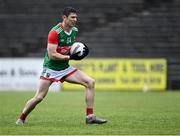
{"type": "Point", "coordinates": [81, 78]}
{"type": "Point", "coordinates": [42, 90]}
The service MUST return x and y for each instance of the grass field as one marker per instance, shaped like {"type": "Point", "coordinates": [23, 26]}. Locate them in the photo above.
{"type": "Point", "coordinates": [63, 113]}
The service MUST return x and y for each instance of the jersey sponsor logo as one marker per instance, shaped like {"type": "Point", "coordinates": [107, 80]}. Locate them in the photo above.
{"type": "Point", "coordinates": [63, 50]}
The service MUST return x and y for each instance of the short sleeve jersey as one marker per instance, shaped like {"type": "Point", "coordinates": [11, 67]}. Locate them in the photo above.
{"type": "Point", "coordinates": [57, 35]}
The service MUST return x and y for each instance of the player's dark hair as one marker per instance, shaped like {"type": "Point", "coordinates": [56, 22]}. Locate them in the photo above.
{"type": "Point", "coordinates": [66, 11]}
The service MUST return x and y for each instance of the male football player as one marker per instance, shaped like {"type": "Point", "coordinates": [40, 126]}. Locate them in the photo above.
{"type": "Point", "coordinates": [56, 67]}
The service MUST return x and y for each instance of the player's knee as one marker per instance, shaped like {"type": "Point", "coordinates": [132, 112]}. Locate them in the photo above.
{"type": "Point", "coordinates": [38, 99]}
{"type": "Point", "coordinates": [91, 83]}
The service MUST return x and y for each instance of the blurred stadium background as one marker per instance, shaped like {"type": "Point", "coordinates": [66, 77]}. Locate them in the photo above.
{"type": "Point", "coordinates": [111, 29]}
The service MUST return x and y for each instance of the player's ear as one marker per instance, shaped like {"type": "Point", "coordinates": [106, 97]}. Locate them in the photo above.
{"type": "Point", "coordinates": [64, 17]}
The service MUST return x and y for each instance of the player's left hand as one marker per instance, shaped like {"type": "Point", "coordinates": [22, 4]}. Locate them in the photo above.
{"type": "Point", "coordinates": [75, 56]}
{"type": "Point", "coordinates": [85, 52]}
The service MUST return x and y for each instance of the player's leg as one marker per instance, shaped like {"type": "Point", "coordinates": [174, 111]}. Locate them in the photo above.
{"type": "Point", "coordinates": [80, 77]}
{"type": "Point", "coordinates": [42, 90]}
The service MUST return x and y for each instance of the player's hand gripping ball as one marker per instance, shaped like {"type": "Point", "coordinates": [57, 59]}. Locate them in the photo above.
{"type": "Point", "coordinates": [78, 51]}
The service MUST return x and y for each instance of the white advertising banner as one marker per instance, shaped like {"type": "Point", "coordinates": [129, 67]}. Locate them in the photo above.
{"type": "Point", "coordinates": [21, 74]}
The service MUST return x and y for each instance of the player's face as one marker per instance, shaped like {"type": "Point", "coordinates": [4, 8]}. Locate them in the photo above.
{"type": "Point", "coordinates": [71, 20]}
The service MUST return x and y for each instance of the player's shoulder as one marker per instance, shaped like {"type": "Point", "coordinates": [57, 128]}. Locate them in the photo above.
{"type": "Point", "coordinates": [57, 28]}
{"type": "Point", "coordinates": [75, 29]}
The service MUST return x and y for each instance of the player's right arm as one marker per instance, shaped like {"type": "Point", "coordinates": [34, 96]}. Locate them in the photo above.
{"type": "Point", "coordinates": [52, 47]}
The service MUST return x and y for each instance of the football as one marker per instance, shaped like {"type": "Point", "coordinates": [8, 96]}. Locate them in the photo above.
{"type": "Point", "coordinates": [77, 47]}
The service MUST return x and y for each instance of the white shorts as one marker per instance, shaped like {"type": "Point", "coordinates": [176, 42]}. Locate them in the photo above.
{"type": "Point", "coordinates": [55, 76]}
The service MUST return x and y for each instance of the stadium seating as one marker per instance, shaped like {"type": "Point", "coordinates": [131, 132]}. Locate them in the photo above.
{"type": "Point", "coordinates": [118, 28]}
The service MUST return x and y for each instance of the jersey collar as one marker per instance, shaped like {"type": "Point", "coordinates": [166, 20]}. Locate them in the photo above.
{"type": "Point", "coordinates": [62, 27]}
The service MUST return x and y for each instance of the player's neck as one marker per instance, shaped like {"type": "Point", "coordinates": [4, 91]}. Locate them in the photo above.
{"type": "Point", "coordinates": [65, 27]}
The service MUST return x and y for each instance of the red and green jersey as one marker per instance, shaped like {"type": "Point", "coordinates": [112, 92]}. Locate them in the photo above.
{"type": "Point", "coordinates": [57, 35]}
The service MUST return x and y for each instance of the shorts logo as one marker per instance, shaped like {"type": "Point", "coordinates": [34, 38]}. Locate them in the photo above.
{"type": "Point", "coordinates": [43, 72]}
{"type": "Point", "coordinates": [48, 74]}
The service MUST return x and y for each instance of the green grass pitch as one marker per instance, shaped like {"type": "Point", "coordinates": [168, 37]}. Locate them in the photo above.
{"type": "Point", "coordinates": [63, 113]}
